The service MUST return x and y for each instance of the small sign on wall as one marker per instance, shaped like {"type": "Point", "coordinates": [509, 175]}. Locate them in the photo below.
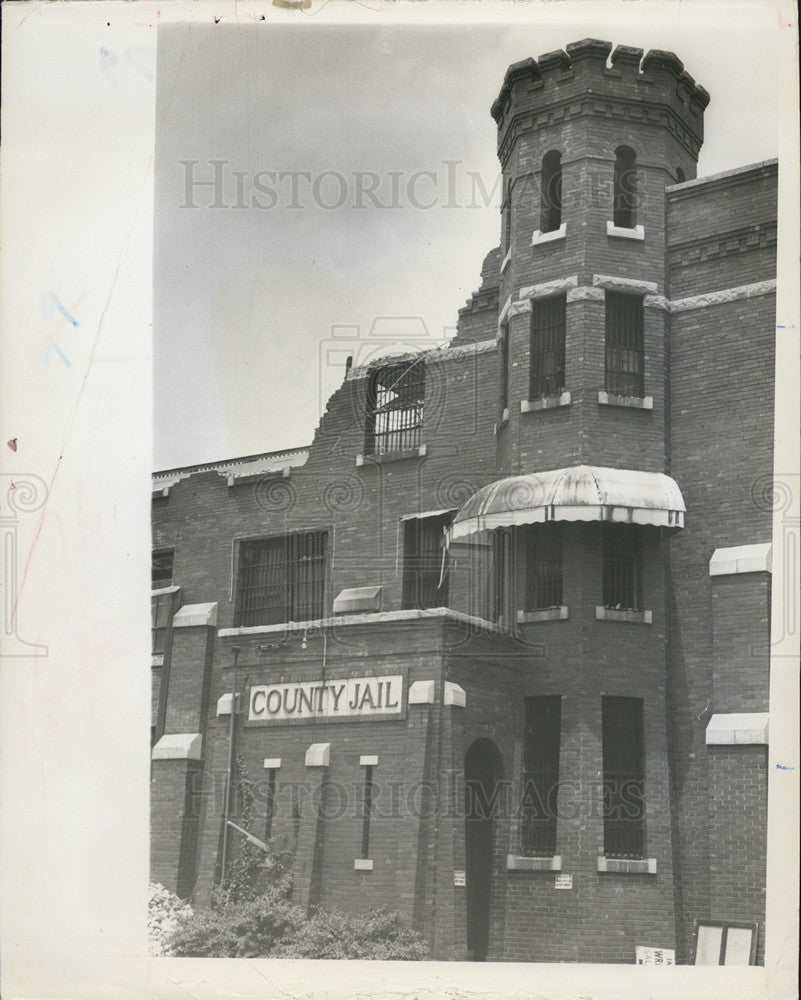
{"type": "Point", "coordinates": [655, 956]}
{"type": "Point", "coordinates": [459, 877]}
{"type": "Point", "coordinates": [563, 882]}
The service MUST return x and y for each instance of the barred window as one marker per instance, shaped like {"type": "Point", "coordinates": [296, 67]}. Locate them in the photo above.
{"type": "Point", "coordinates": [395, 396]}
{"type": "Point", "coordinates": [502, 577]}
{"type": "Point", "coordinates": [625, 204]}
{"type": "Point", "coordinates": [543, 720]}
{"type": "Point", "coordinates": [624, 344]}
{"type": "Point", "coordinates": [622, 567]}
{"type": "Point", "coordinates": [503, 372]}
{"type": "Point", "coordinates": [161, 565]}
{"type": "Point", "coordinates": [551, 192]}
{"type": "Point", "coordinates": [424, 559]}
{"type": "Point", "coordinates": [547, 376]}
{"type": "Point", "coordinates": [623, 767]}
{"type": "Point", "coordinates": [162, 611]}
{"type": "Point", "coordinates": [543, 566]}
{"type": "Point", "coordinates": [281, 579]}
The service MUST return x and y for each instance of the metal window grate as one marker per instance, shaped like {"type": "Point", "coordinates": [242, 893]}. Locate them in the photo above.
{"type": "Point", "coordinates": [622, 567]}
{"type": "Point", "coordinates": [282, 579]}
{"type": "Point", "coordinates": [503, 372]}
{"type": "Point", "coordinates": [423, 548]}
{"type": "Point", "coordinates": [543, 567]}
{"type": "Point", "coordinates": [623, 788]}
{"type": "Point", "coordinates": [547, 376]}
{"type": "Point", "coordinates": [543, 722]}
{"type": "Point", "coordinates": [624, 344]}
{"type": "Point", "coordinates": [395, 399]}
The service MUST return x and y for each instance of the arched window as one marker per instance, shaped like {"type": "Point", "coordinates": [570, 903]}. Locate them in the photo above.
{"type": "Point", "coordinates": [680, 178]}
{"type": "Point", "coordinates": [551, 192]}
{"type": "Point", "coordinates": [625, 205]}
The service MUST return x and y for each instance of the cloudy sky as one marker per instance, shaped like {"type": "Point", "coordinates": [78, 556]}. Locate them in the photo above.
{"type": "Point", "coordinates": [356, 191]}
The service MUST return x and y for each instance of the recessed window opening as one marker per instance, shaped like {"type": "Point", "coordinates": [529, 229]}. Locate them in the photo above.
{"type": "Point", "coordinates": [551, 192]}
{"type": "Point", "coordinates": [367, 808]}
{"type": "Point", "coordinates": [622, 568]}
{"type": "Point", "coordinates": [680, 178]}
{"type": "Point", "coordinates": [624, 345]}
{"type": "Point", "coordinates": [507, 218]}
{"type": "Point", "coordinates": [270, 803]}
{"type": "Point", "coordinates": [425, 578]}
{"type": "Point", "coordinates": [503, 372]}
{"type": "Point", "coordinates": [543, 566]}
{"type": "Point", "coordinates": [161, 568]}
{"type": "Point", "coordinates": [543, 717]}
{"type": "Point", "coordinates": [623, 769]}
{"type": "Point", "coordinates": [547, 374]}
{"type": "Point", "coordinates": [625, 196]}
{"type": "Point", "coordinates": [282, 579]}
{"type": "Point", "coordinates": [162, 611]}
{"type": "Point", "coordinates": [395, 396]}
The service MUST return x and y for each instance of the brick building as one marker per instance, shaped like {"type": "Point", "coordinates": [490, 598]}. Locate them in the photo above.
{"type": "Point", "coordinates": [499, 634]}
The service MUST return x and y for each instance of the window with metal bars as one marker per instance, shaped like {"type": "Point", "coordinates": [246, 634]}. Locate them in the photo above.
{"type": "Point", "coordinates": [543, 725]}
{"type": "Point", "coordinates": [395, 396]}
{"type": "Point", "coordinates": [162, 611]}
{"type": "Point", "coordinates": [624, 777]}
{"type": "Point", "coordinates": [161, 565]}
{"type": "Point", "coordinates": [622, 567]}
{"type": "Point", "coordinates": [423, 554]}
{"type": "Point", "coordinates": [502, 577]}
{"type": "Point", "coordinates": [282, 579]}
{"type": "Point", "coordinates": [503, 372]}
{"type": "Point", "coordinates": [367, 810]}
{"type": "Point", "coordinates": [625, 203]}
{"type": "Point", "coordinates": [551, 192]}
{"type": "Point", "coordinates": [543, 545]}
{"type": "Point", "coordinates": [547, 372]}
{"type": "Point", "coordinates": [624, 345]}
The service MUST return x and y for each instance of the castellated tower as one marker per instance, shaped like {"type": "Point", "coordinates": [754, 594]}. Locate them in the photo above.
{"type": "Point", "coordinates": [587, 150]}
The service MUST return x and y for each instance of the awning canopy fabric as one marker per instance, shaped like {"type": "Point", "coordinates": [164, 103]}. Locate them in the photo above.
{"type": "Point", "coordinates": [580, 493]}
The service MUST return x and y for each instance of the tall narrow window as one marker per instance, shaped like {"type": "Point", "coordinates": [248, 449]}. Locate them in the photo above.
{"type": "Point", "coordinates": [282, 579]}
{"type": "Point", "coordinates": [503, 372]}
{"type": "Point", "coordinates": [502, 563]}
{"type": "Point", "coordinates": [680, 178]}
{"type": "Point", "coordinates": [425, 584]}
{"type": "Point", "coordinates": [625, 205]}
{"type": "Point", "coordinates": [270, 803]}
{"type": "Point", "coordinates": [162, 610]}
{"type": "Point", "coordinates": [367, 809]}
{"type": "Point", "coordinates": [543, 566]}
{"type": "Point", "coordinates": [395, 396]}
{"type": "Point", "coordinates": [624, 345]}
{"type": "Point", "coordinates": [622, 567]}
{"type": "Point", "coordinates": [623, 765]}
{"type": "Point", "coordinates": [541, 775]}
{"type": "Point", "coordinates": [507, 218]}
{"type": "Point", "coordinates": [551, 192]}
{"type": "Point", "coordinates": [547, 374]}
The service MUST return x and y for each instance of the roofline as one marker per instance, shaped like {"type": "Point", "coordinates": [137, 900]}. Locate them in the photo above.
{"type": "Point", "coordinates": [724, 175]}
{"type": "Point", "coordinates": [230, 461]}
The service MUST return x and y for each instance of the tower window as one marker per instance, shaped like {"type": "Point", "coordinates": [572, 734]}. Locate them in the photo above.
{"type": "Point", "coordinates": [503, 372]}
{"type": "Point", "coordinates": [161, 569]}
{"type": "Point", "coordinates": [622, 568]}
{"type": "Point", "coordinates": [543, 566]}
{"type": "Point", "coordinates": [507, 219]}
{"type": "Point", "coordinates": [625, 203]}
{"type": "Point", "coordinates": [541, 775]}
{"type": "Point", "coordinates": [680, 178]}
{"type": "Point", "coordinates": [625, 323]}
{"type": "Point", "coordinates": [547, 376]}
{"type": "Point", "coordinates": [623, 766]}
{"type": "Point", "coordinates": [423, 554]}
{"type": "Point", "coordinates": [551, 192]}
{"type": "Point", "coordinates": [281, 579]}
{"type": "Point", "coordinates": [395, 396]}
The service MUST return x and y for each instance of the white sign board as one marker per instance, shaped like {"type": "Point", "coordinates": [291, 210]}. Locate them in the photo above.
{"type": "Point", "coordinates": [655, 956]}
{"type": "Point", "coordinates": [563, 882]}
{"type": "Point", "coordinates": [332, 699]}
{"type": "Point", "coordinates": [459, 877]}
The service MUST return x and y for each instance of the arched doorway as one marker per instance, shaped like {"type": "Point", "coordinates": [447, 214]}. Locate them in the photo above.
{"type": "Point", "coordinates": [482, 775]}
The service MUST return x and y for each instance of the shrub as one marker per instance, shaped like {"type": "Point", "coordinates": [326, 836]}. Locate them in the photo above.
{"type": "Point", "coordinates": [164, 913]}
{"type": "Point", "coordinates": [377, 935]}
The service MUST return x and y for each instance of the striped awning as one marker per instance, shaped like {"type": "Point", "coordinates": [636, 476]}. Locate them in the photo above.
{"type": "Point", "coordinates": [580, 493]}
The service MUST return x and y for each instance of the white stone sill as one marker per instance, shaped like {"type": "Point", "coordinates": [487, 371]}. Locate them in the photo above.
{"type": "Point", "coordinates": [538, 237]}
{"type": "Point", "coordinates": [637, 233]}
{"type": "Point", "coordinates": [519, 863]}
{"type": "Point", "coordinates": [545, 615]}
{"type": "Point", "coordinates": [546, 403]}
{"type": "Point", "coordinates": [503, 421]}
{"type": "Point", "coordinates": [633, 402]}
{"type": "Point", "coordinates": [622, 866]}
{"type": "Point", "coordinates": [613, 615]}
{"type": "Point", "coordinates": [391, 456]}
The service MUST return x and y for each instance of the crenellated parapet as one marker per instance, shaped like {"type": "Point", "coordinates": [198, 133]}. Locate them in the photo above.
{"type": "Point", "coordinates": [589, 78]}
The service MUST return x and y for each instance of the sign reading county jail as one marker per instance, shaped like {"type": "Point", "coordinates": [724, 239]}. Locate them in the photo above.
{"type": "Point", "coordinates": [330, 700]}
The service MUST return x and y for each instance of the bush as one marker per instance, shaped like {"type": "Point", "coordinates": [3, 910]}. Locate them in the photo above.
{"type": "Point", "coordinates": [165, 912]}
{"type": "Point", "coordinates": [378, 935]}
